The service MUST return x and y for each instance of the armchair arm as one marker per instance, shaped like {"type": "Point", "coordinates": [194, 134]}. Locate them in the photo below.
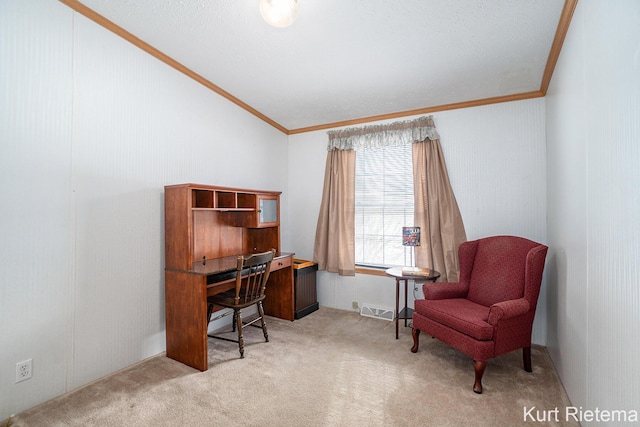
{"type": "Point", "coordinates": [507, 309]}
{"type": "Point", "coordinates": [444, 290]}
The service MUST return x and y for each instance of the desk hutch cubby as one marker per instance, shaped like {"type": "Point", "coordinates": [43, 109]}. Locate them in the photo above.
{"type": "Point", "coordinates": [206, 228]}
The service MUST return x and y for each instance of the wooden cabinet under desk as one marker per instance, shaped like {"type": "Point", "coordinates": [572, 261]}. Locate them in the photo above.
{"type": "Point", "coordinates": [206, 228]}
{"type": "Point", "coordinates": [280, 293]}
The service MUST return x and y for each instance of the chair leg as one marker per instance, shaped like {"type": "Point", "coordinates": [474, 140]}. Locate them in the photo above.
{"type": "Point", "coordinates": [415, 333]}
{"type": "Point", "coordinates": [235, 321]}
{"type": "Point", "coordinates": [526, 358]}
{"type": "Point", "coordinates": [209, 312]}
{"type": "Point", "coordinates": [479, 370]}
{"type": "Point", "coordinates": [238, 315]}
{"type": "Point", "coordinates": [264, 324]}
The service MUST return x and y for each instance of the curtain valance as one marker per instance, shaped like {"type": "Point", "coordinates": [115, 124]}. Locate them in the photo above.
{"type": "Point", "coordinates": [397, 133]}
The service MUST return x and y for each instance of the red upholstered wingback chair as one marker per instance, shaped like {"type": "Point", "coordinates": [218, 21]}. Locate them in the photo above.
{"type": "Point", "coordinates": [490, 311]}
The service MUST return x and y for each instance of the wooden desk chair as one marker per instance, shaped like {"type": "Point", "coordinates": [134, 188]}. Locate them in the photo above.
{"type": "Point", "coordinates": [251, 281]}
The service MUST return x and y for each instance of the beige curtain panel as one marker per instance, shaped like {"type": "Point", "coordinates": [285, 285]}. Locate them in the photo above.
{"type": "Point", "coordinates": [436, 211]}
{"type": "Point", "coordinates": [334, 248]}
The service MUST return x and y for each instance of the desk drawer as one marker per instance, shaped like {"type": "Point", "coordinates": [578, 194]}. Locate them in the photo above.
{"type": "Point", "coordinates": [282, 262]}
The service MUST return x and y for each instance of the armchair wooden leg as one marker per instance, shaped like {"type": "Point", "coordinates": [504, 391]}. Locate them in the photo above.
{"type": "Point", "coordinates": [526, 358]}
{"type": "Point", "coordinates": [479, 369]}
{"type": "Point", "coordinates": [415, 333]}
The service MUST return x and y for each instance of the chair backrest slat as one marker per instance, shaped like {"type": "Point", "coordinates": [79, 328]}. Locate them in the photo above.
{"type": "Point", "coordinates": [253, 273]}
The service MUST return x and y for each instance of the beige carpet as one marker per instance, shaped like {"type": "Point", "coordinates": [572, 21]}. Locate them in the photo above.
{"type": "Point", "coordinates": [330, 368]}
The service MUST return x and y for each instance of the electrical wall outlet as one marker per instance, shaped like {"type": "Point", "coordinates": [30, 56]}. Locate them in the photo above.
{"type": "Point", "coordinates": [354, 305]}
{"type": "Point", "coordinates": [23, 370]}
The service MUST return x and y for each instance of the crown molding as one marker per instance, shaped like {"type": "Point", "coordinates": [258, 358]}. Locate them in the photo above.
{"type": "Point", "coordinates": [558, 41]}
{"type": "Point", "coordinates": [426, 110]}
{"type": "Point", "coordinates": [116, 29]}
{"type": "Point", "coordinates": [561, 32]}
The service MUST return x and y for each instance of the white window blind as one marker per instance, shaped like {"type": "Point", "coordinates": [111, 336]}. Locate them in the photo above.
{"type": "Point", "coordinates": [383, 205]}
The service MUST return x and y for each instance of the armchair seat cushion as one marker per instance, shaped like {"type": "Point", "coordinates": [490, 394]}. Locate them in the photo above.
{"type": "Point", "coordinates": [461, 314]}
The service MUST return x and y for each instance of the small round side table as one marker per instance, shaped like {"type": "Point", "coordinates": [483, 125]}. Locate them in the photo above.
{"type": "Point", "coordinates": [420, 275]}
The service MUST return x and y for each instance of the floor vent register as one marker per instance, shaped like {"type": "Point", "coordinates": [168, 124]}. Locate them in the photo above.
{"type": "Point", "coordinates": [384, 313]}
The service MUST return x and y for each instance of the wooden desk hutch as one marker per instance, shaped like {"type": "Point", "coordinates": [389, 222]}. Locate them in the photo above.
{"type": "Point", "coordinates": [206, 228]}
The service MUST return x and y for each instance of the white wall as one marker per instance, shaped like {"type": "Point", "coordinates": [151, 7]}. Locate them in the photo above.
{"type": "Point", "coordinates": [36, 225]}
{"type": "Point", "coordinates": [593, 133]}
{"type": "Point", "coordinates": [495, 156]}
{"type": "Point", "coordinates": [91, 129]}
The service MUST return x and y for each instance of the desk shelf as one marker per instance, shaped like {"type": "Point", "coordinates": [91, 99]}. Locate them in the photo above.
{"type": "Point", "coordinates": [226, 200]}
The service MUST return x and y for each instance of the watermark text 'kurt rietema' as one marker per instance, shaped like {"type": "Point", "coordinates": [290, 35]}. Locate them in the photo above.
{"type": "Point", "coordinates": [578, 414]}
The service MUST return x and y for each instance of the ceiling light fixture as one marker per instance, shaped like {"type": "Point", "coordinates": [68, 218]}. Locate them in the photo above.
{"type": "Point", "coordinates": [279, 13]}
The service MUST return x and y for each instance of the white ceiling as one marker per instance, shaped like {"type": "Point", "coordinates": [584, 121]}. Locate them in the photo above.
{"type": "Point", "coordinates": [350, 59]}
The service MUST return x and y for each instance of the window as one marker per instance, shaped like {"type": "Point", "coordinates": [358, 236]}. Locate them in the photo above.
{"type": "Point", "coordinates": [383, 205]}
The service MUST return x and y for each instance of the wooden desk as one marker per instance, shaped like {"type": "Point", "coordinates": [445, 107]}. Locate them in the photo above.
{"type": "Point", "coordinates": [407, 312]}
{"type": "Point", "coordinates": [186, 294]}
